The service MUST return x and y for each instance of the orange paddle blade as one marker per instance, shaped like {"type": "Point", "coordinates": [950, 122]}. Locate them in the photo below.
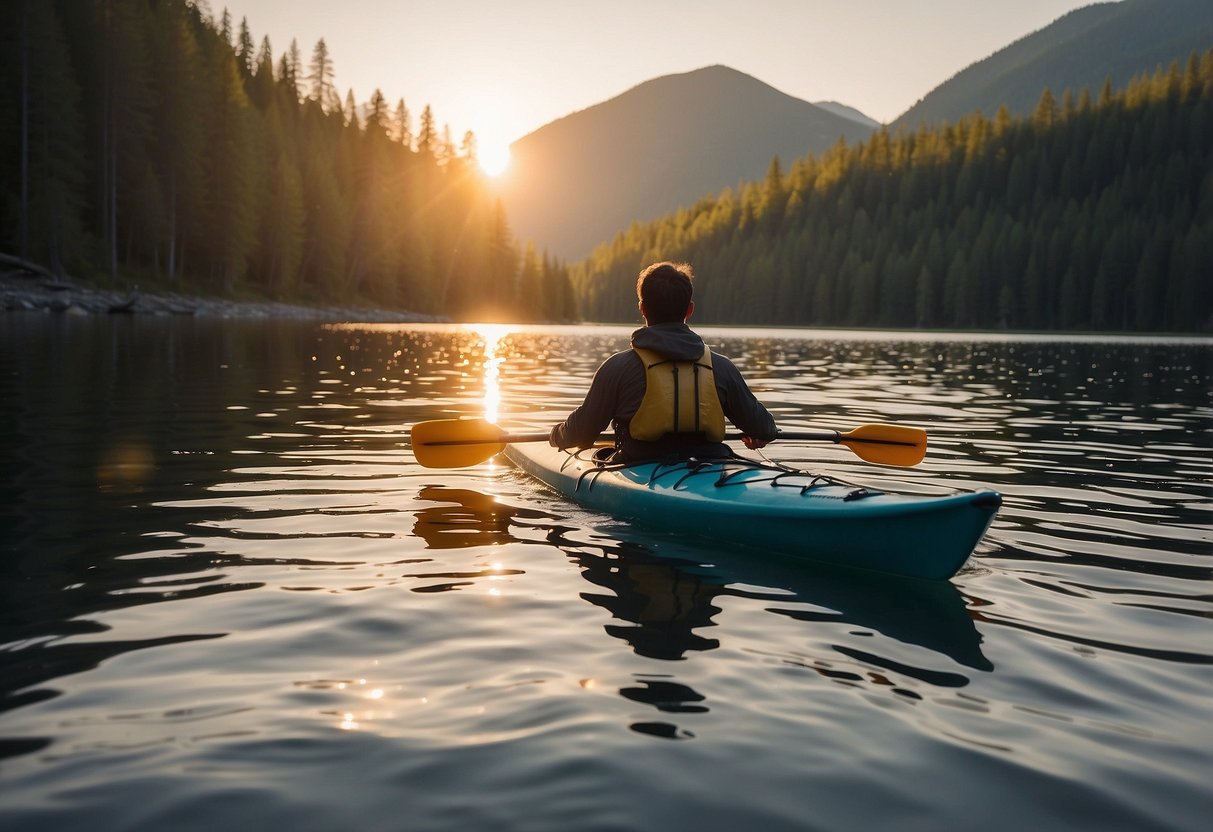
{"type": "Point", "coordinates": [887, 444]}
{"type": "Point", "coordinates": [456, 443]}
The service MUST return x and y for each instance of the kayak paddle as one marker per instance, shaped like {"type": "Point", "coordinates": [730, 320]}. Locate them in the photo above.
{"type": "Point", "coordinates": [459, 443]}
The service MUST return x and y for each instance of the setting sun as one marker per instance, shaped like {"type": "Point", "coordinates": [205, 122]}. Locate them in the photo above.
{"type": "Point", "coordinates": [494, 159]}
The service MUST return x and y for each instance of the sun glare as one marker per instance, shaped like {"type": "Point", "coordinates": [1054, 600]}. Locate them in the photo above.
{"type": "Point", "coordinates": [494, 159]}
{"type": "Point", "coordinates": [492, 335]}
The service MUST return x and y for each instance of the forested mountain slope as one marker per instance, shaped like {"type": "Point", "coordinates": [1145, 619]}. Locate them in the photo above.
{"type": "Point", "coordinates": [1085, 215]}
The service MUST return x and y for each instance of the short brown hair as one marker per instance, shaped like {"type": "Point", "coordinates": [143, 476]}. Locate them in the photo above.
{"type": "Point", "coordinates": [665, 289]}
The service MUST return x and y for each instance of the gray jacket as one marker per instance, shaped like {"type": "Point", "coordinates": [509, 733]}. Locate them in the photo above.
{"type": "Point", "coordinates": [618, 387]}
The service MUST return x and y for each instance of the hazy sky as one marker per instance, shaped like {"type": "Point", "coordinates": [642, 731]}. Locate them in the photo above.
{"type": "Point", "coordinates": [506, 67]}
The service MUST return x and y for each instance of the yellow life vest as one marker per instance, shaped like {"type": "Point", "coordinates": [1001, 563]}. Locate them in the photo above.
{"type": "Point", "coordinates": [679, 397]}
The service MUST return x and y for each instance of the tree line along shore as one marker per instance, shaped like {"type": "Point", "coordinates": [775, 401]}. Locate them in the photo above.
{"type": "Point", "coordinates": [148, 143]}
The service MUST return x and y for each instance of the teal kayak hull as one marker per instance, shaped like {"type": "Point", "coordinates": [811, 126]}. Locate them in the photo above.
{"type": "Point", "coordinates": [792, 514]}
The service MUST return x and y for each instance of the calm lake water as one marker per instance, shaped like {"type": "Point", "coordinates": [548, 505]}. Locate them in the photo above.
{"type": "Point", "coordinates": [230, 598]}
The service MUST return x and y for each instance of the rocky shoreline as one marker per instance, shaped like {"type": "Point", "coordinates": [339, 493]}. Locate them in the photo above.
{"type": "Point", "coordinates": [21, 291]}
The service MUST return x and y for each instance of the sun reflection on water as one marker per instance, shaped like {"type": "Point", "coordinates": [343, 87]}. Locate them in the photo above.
{"type": "Point", "coordinates": [492, 335]}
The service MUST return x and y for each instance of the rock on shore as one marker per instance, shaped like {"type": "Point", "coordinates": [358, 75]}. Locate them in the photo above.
{"type": "Point", "coordinates": [20, 291]}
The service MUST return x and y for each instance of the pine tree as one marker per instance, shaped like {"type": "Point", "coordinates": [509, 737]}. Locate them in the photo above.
{"type": "Point", "coordinates": [530, 287]}
{"type": "Point", "coordinates": [402, 130]}
{"type": "Point", "coordinates": [774, 197]}
{"type": "Point", "coordinates": [503, 263]}
{"type": "Point", "coordinates": [48, 225]}
{"type": "Point", "coordinates": [115, 86]}
{"type": "Point", "coordinates": [321, 77]}
{"type": "Point", "coordinates": [445, 152]}
{"type": "Point", "coordinates": [279, 253]}
{"type": "Point", "coordinates": [327, 225]}
{"type": "Point", "coordinates": [427, 137]}
{"type": "Point", "coordinates": [246, 59]}
{"type": "Point", "coordinates": [377, 115]}
{"type": "Point", "coordinates": [231, 168]}
{"type": "Point", "coordinates": [262, 87]}
{"type": "Point", "coordinates": [149, 223]}
{"type": "Point", "coordinates": [468, 149]}
{"type": "Point", "coordinates": [177, 123]}
{"type": "Point", "coordinates": [290, 71]}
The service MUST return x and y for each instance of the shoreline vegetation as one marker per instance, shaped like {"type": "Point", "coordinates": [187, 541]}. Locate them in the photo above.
{"type": "Point", "coordinates": [28, 287]}
{"type": "Point", "coordinates": [149, 143]}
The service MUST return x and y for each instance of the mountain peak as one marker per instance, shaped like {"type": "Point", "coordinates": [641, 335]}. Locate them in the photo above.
{"type": "Point", "coordinates": [661, 145]}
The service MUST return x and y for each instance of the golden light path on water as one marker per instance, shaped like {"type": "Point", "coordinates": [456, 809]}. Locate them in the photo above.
{"type": "Point", "coordinates": [378, 704]}
{"type": "Point", "coordinates": [494, 356]}
{"type": "Point", "coordinates": [492, 335]}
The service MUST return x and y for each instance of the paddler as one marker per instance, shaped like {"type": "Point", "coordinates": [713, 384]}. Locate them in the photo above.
{"type": "Point", "coordinates": [669, 395]}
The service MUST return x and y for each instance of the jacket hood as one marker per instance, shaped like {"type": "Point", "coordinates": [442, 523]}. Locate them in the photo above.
{"type": "Point", "coordinates": [672, 340]}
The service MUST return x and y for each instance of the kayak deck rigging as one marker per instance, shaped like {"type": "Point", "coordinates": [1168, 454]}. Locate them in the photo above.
{"type": "Point", "coordinates": [729, 470]}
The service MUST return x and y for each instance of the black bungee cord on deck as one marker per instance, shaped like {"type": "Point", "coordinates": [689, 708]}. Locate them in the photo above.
{"type": "Point", "coordinates": [728, 471]}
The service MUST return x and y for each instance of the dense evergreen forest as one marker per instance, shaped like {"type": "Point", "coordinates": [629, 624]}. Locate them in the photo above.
{"type": "Point", "coordinates": [144, 141]}
{"type": "Point", "coordinates": [1088, 214]}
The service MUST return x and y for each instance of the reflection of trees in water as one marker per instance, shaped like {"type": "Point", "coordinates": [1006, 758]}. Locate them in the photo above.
{"type": "Point", "coordinates": [660, 605]}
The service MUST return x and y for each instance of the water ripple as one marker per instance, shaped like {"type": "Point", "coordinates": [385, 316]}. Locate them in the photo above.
{"type": "Point", "coordinates": [229, 591]}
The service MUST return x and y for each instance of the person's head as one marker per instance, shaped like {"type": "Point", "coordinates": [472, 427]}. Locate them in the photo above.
{"type": "Point", "coordinates": [664, 290]}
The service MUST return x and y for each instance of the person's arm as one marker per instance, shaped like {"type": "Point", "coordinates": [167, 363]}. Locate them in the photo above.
{"type": "Point", "coordinates": [741, 407]}
{"type": "Point", "coordinates": [583, 426]}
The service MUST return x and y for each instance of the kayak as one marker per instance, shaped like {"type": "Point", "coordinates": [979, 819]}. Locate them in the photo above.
{"type": "Point", "coordinates": [782, 511]}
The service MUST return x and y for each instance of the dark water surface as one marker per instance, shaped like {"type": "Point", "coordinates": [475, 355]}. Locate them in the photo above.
{"type": "Point", "coordinates": [230, 598]}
